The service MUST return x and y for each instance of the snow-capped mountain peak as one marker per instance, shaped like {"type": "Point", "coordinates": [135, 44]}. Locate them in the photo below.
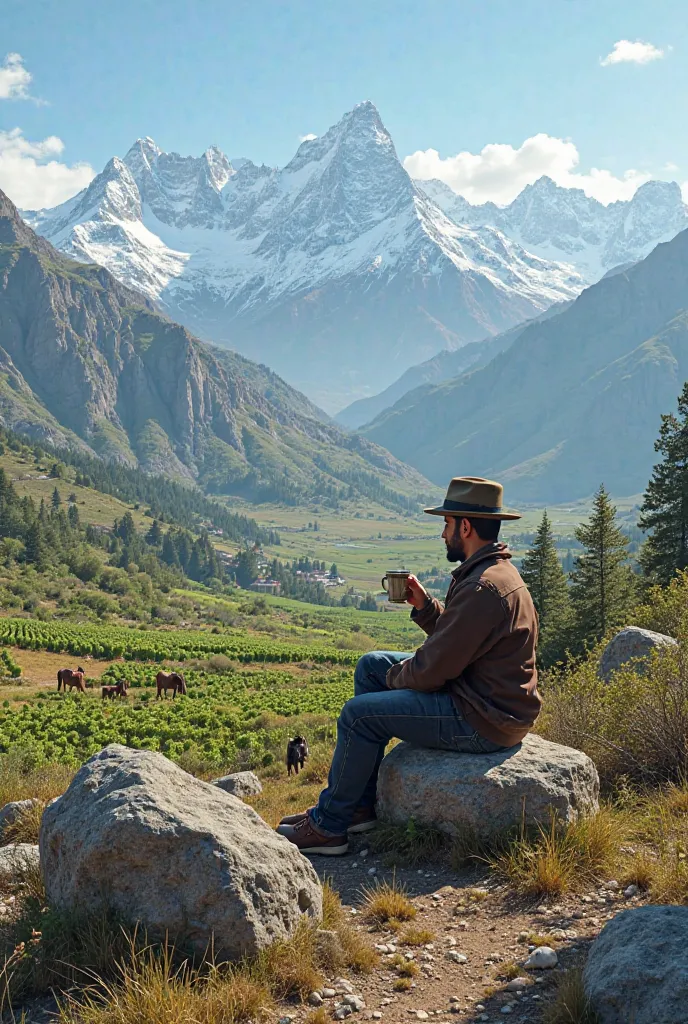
{"type": "Point", "coordinates": [337, 269]}
{"type": "Point", "coordinates": [565, 224]}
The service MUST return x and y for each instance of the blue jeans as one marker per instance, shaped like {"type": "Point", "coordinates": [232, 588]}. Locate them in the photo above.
{"type": "Point", "coordinates": [366, 725]}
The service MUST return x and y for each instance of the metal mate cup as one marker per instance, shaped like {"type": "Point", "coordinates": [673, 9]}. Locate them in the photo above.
{"type": "Point", "coordinates": [394, 583]}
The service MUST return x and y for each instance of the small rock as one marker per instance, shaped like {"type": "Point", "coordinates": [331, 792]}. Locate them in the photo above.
{"type": "Point", "coordinates": [454, 999]}
{"type": "Point", "coordinates": [463, 925]}
{"type": "Point", "coordinates": [422, 1015]}
{"type": "Point", "coordinates": [632, 890]}
{"type": "Point", "coordinates": [479, 1007]}
{"type": "Point", "coordinates": [355, 1002]}
{"type": "Point", "coordinates": [517, 985]}
{"type": "Point", "coordinates": [363, 854]}
{"type": "Point", "coordinates": [456, 957]}
{"type": "Point", "coordinates": [613, 884]}
{"type": "Point", "coordinates": [558, 933]}
{"type": "Point", "coordinates": [372, 871]}
{"type": "Point", "coordinates": [342, 1011]}
{"type": "Point", "coordinates": [343, 986]}
{"type": "Point", "coordinates": [285, 1020]}
{"type": "Point", "coordinates": [541, 958]}
{"type": "Point", "coordinates": [508, 1008]}
{"type": "Point", "coordinates": [451, 941]}
{"type": "Point", "coordinates": [239, 784]}
{"type": "Point", "coordinates": [315, 999]}
{"type": "Point", "coordinates": [377, 1015]}
{"type": "Point", "coordinates": [328, 993]}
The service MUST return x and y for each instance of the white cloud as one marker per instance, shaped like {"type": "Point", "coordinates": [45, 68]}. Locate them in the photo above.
{"type": "Point", "coordinates": [499, 172]}
{"type": "Point", "coordinates": [14, 78]}
{"type": "Point", "coordinates": [307, 138]}
{"type": "Point", "coordinates": [32, 177]}
{"type": "Point", "coordinates": [626, 52]}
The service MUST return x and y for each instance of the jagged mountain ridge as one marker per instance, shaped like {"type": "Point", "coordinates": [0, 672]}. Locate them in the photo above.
{"type": "Point", "coordinates": [335, 270]}
{"type": "Point", "coordinates": [565, 224]}
{"type": "Point", "coordinates": [86, 361]}
{"type": "Point", "coordinates": [575, 401]}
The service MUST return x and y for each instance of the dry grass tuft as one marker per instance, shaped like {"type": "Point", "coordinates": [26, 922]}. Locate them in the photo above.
{"type": "Point", "coordinates": [289, 968]}
{"type": "Point", "coordinates": [22, 778]}
{"type": "Point", "coordinates": [387, 901]}
{"type": "Point", "coordinates": [359, 955]}
{"type": "Point", "coordinates": [25, 827]}
{"type": "Point", "coordinates": [415, 936]}
{"type": "Point", "coordinates": [570, 1005]}
{"type": "Point", "coordinates": [151, 989]}
{"type": "Point", "coordinates": [402, 985]}
{"type": "Point", "coordinates": [565, 857]}
{"type": "Point", "coordinates": [405, 968]}
{"type": "Point", "coordinates": [319, 1016]}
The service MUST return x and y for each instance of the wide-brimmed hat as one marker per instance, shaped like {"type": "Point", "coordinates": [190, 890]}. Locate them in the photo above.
{"type": "Point", "coordinates": [475, 497]}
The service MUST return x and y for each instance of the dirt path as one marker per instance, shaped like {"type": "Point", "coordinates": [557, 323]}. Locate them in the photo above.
{"type": "Point", "coordinates": [470, 916]}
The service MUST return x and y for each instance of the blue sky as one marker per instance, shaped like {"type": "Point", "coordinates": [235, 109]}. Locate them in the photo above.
{"type": "Point", "coordinates": [448, 76]}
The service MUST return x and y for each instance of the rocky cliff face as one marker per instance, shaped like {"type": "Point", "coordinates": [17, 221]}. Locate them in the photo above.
{"type": "Point", "coordinates": [86, 360]}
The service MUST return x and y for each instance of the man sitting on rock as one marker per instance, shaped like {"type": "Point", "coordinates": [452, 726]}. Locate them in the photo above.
{"type": "Point", "coordinates": [471, 687]}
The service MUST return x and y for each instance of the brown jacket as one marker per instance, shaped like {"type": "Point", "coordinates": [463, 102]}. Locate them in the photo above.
{"type": "Point", "coordinates": [481, 646]}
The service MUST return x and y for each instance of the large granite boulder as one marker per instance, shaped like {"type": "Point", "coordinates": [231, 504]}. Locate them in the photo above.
{"type": "Point", "coordinates": [629, 644]}
{"type": "Point", "coordinates": [241, 784]}
{"type": "Point", "coordinates": [136, 832]}
{"type": "Point", "coordinates": [637, 969]}
{"type": "Point", "coordinates": [486, 793]}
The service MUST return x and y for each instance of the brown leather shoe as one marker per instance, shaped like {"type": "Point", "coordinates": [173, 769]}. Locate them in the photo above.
{"type": "Point", "coordinates": [292, 819]}
{"type": "Point", "coordinates": [309, 839]}
{"type": "Point", "coordinates": [364, 820]}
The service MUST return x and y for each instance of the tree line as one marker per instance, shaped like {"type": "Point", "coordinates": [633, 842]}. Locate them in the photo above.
{"type": "Point", "coordinates": [578, 609]}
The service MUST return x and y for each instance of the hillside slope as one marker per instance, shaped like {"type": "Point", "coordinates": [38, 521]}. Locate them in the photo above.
{"type": "Point", "coordinates": [574, 402]}
{"type": "Point", "coordinates": [86, 361]}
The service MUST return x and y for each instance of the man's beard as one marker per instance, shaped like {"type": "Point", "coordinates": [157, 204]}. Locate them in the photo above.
{"type": "Point", "coordinates": [456, 552]}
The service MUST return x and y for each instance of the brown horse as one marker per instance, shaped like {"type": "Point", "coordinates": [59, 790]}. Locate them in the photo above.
{"type": "Point", "coordinates": [119, 690]}
{"type": "Point", "coordinates": [67, 677]}
{"type": "Point", "coordinates": [173, 681]}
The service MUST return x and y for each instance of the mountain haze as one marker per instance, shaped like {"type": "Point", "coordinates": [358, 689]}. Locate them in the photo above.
{"type": "Point", "coordinates": [574, 402]}
{"type": "Point", "coordinates": [86, 361]}
{"type": "Point", "coordinates": [445, 365]}
{"type": "Point", "coordinates": [336, 270]}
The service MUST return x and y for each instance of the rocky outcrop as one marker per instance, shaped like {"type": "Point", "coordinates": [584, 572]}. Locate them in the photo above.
{"type": "Point", "coordinates": [637, 969]}
{"type": "Point", "coordinates": [178, 855]}
{"type": "Point", "coordinates": [240, 784]}
{"type": "Point", "coordinates": [632, 644]}
{"type": "Point", "coordinates": [486, 793]}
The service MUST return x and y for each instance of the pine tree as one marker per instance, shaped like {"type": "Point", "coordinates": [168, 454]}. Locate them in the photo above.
{"type": "Point", "coordinates": [73, 516]}
{"type": "Point", "coordinates": [603, 584]}
{"type": "Point", "coordinates": [664, 511]}
{"type": "Point", "coordinates": [169, 551]}
{"type": "Point", "coordinates": [154, 535]}
{"type": "Point", "coordinates": [56, 500]}
{"type": "Point", "coordinates": [546, 581]}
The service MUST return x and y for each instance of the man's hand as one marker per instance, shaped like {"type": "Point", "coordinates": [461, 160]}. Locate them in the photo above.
{"type": "Point", "coordinates": [418, 595]}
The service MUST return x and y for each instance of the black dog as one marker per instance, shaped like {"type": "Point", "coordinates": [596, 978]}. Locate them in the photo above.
{"type": "Point", "coordinates": [297, 752]}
